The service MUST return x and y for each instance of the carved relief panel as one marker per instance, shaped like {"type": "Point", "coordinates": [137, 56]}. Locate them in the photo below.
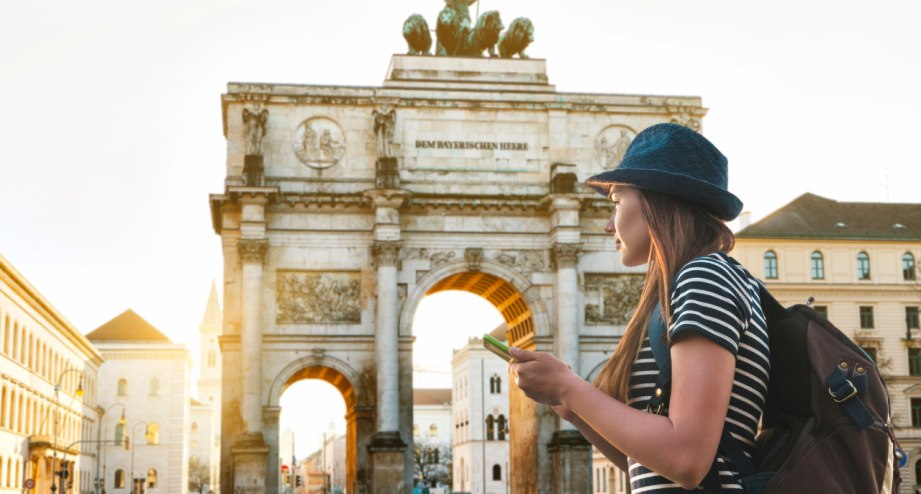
{"type": "Point", "coordinates": [611, 298]}
{"type": "Point", "coordinates": [319, 142]}
{"type": "Point", "coordinates": [611, 144]}
{"type": "Point", "coordinates": [314, 297]}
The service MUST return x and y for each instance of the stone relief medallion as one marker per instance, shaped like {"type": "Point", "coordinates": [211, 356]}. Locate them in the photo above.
{"type": "Point", "coordinates": [313, 297]}
{"type": "Point", "coordinates": [319, 142]}
{"type": "Point", "coordinates": [611, 298]}
{"type": "Point", "coordinates": [611, 144]}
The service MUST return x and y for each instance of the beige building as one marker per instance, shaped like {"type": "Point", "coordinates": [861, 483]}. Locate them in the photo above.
{"type": "Point", "coordinates": [48, 376]}
{"type": "Point", "coordinates": [859, 261]}
{"type": "Point", "coordinates": [205, 442]}
{"type": "Point", "coordinates": [148, 376]}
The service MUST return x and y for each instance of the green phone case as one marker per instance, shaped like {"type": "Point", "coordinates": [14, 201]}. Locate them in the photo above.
{"type": "Point", "coordinates": [497, 347]}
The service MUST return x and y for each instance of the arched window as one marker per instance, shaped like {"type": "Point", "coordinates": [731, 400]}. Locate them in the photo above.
{"type": "Point", "coordinates": [152, 478]}
{"type": "Point", "coordinates": [212, 358]}
{"type": "Point", "coordinates": [498, 389]}
{"type": "Point", "coordinates": [119, 479]}
{"type": "Point", "coordinates": [490, 428]}
{"type": "Point", "coordinates": [770, 265]}
{"type": "Point", "coordinates": [153, 433]}
{"type": "Point", "coordinates": [122, 387]}
{"type": "Point", "coordinates": [818, 266]}
{"type": "Point", "coordinates": [496, 472]}
{"type": "Point", "coordinates": [154, 387]}
{"type": "Point", "coordinates": [119, 434]}
{"type": "Point", "coordinates": [433, 430]}
{"type": "Point", "coordinates": [863, 266]}
{"type": "Point", "coordinates": [194, 426]}
{"type": "Point", "coordinates": [908, 267]}
{"type": "Point", "coordinates": [502, 426]}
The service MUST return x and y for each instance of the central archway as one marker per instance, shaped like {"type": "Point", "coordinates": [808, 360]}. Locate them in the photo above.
{"type": "Point", "coordinates": [359, 415]}
{"type": "Point", "coordinates": [523, 311]}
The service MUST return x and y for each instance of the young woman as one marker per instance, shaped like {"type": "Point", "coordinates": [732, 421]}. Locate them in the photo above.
{"type": "Point", "coordinates": [670, 204]}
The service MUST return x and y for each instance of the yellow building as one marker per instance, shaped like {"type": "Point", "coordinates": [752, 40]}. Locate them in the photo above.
{"type": "Point", "coordinates": [48, 410]}
{"type": "Point", "coordinates": [859, 261]}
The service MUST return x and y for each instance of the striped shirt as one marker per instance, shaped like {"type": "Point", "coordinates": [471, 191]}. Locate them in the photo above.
{"type": "Point", "coordinates": [716, 297]}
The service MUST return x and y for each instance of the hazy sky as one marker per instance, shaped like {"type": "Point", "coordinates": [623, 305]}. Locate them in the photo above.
{"type": "Point", "coordinates": [113, 141]}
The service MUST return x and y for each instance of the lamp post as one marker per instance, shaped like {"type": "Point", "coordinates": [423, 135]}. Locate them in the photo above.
{"type": "Point", "coordinates": [133, 448]}
{"type": "Point", "coordinates": [57, 406]}
{"type": "Point", "coordinates": [105, 446]}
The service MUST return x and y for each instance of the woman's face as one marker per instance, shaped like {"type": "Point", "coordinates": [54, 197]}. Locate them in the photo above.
{"type": "Point", "coordinates": [631, 233]}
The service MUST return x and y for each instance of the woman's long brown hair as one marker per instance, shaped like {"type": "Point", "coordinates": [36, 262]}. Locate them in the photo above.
{"type": "Point", "coordinates": [679, 231]}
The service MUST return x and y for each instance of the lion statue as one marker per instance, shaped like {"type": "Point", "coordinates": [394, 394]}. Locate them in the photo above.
{"type": "Point", "coordinates": [453, 27]}
{"type": "Point", "coordinates": [416, 32]}
{"type": "Point", "coordinates": [485, 35]}
{"type": "Point", "coordinates": [516, 38]}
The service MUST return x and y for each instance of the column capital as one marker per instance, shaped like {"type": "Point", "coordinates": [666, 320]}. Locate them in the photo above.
{"type": "Point", "coordinates": [386, 252]}
{"type": "Point", "coordinates": [252, 250]}
{"type": "Point", "coordinates": [387, 198]}
{"type": "Point", "coordinates": [566, 255]}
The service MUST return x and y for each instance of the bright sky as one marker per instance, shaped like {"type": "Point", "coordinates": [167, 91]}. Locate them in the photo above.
{"type": "Point", "coordinates": [113, 141]}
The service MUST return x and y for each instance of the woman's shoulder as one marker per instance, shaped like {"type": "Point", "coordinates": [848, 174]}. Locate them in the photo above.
{"type": "Point", "coordinates": [717, 269]}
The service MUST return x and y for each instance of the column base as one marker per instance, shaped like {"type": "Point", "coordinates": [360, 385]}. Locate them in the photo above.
{"type": "Point", "coordinates": [387, 462]}
{"type": "Point", "coordinates": [249, 455]}
{"type": "Point", "coordinates": [571, 455]}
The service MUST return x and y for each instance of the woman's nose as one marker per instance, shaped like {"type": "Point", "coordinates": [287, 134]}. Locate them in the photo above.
{"type": "Point", "coordinates": [609, 226]}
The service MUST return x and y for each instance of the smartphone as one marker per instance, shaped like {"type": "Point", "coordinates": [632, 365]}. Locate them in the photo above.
{"type": "Point", "coordinates": [497, 347]}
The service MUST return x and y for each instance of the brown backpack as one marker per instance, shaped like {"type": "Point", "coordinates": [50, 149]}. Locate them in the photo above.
{"type": "Point", "coordinates": [825, 426]}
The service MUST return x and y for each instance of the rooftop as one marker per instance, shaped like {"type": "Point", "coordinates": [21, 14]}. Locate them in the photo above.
{"type": "Point", "coordinates": [127, 326]}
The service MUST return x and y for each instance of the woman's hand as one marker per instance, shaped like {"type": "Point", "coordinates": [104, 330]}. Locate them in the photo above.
{"type": "Point", "coordinates": [543, 377]}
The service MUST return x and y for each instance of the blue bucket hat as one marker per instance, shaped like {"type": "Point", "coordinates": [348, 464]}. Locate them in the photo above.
{"type": "Point", "coordinates": [674, 160]}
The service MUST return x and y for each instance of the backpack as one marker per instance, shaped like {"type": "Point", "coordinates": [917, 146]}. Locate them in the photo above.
{"type": "Point", "coordinates": [825, 424]}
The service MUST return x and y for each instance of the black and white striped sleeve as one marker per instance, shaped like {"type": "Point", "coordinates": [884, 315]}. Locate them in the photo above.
{"type": "Point", "coordinates": [710, 299]}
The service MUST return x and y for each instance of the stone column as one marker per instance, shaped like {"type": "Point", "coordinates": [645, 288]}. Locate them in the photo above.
{"type": "Point", "coordinates": [252, 253]}
{"type": "Point", "coordinates": [569, 450]}
{"type": "Point", "coordinates": [270, 416]}
{"type": "Point", "coordinates": [388, 450]}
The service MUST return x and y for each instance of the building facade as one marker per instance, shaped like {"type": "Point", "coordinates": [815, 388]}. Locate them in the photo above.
{"type": "Point", "coordinates": [147, 376]}
{"type": "Point", "coordinates": [480, 412]}
{"type": "Point", "coordinates": [209, 388]}
{"type": "Point", "coordinates": [432, 428]}
{"type": "Point", "coordinates": [49, 416]}
{"type": "Point", "coordinates": [859, 263]}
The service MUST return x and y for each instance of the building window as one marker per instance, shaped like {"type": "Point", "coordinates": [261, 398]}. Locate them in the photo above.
{"type": "Point", "coordinates": [870, 351]}
{"type": "Point", "coordinates": [154, 387]}
{"type": "Point", "coordinates": [490, 428]}
{"type": "Point", "coordinates": [863, 266]}
{"type": "Point", "coordinates": [911, 318]}
{"type": "Point", "coordinates": [770, 265]}
{"type": "Point", "coordinates": [866, 317]}
{"type": "Point", "coordinates": [122, 387]}
{"type": "Point", "coordinates": [914, 361]}
{"type": "Point", "coordinates": [822, 310]}
{"type": "Point", "coordinates": [916, 412]}
{"type": "Point", "coordinates": [415, 430]}
{"type": "Point", "coordinates": [433, 430]}
{"type": "Point", "coordinates": [502, 426]}
{"type": "Point", "coordinates": [212, 358]}
{"type": "Point", "coordinates": [495, 385]}
{"type": "Point", "coordinates": [119, 479]}
{"type": "Point", "coordinates": [496, 472]}
{"type": "Point", "coordinates": [194, 426]}
{"type": "Point", "coordinates": [119, 434]}
{"type": "Point", "coordinates": [908, 266]}
{"type": "Point", "coordinates": [153, 433]}
{"type": "Point", "coordinates": [152, 478]}
{"type": "Point", "coordinates": [818, 266]}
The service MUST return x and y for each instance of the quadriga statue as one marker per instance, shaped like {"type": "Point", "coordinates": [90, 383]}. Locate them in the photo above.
{"type": "Point", "coordinates": [416, 33]}
{"type": "Point", "coordinates": [516, 39]}
{"type": "Point", "coordinates": [485, 35]}
{"type": "Point", "coordinates": [453, 27]}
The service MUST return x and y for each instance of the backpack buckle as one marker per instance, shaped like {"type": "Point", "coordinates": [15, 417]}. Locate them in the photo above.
{"type": "Point", "coordinates": [658, 409]}
{"type": "Point", "coordinates": [850, 393]}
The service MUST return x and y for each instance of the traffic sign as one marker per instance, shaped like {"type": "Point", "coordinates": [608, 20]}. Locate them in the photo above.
{"type": "Point", "coordinates": [29, 484]}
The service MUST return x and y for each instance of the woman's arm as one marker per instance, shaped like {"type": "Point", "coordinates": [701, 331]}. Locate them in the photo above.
{"type": "Point", "coordinates": [681, 446]}
{"type": "Point", "coordinates": [609, 452]}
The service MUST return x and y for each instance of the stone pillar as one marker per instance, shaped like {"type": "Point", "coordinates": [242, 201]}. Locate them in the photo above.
{"type": "Point", "coordinates": [570, 453]}
{"type": "Point", "coordinates": [388, 450]}
{"type": "Point", "coordinates": [270, 416]}
{"type": "Point", "coordinates": [252, 253]}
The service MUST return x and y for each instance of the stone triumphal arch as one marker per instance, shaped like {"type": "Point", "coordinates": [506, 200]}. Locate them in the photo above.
{"type": "Point", "coordinates": [344, 206]}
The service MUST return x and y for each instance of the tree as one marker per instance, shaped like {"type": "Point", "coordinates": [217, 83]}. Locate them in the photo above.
{"type": "Point", "coordinates": [199, 476]}
{"type": "Point", "coordinates": [431, 462]}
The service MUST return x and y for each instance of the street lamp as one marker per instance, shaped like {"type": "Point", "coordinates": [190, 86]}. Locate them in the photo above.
{"type": "Point", "coordinates": [105, 446]}
{"type": "Point", "coordinates": [133, 448]}
{"type": "Point", "coordinates": [57, 406]}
